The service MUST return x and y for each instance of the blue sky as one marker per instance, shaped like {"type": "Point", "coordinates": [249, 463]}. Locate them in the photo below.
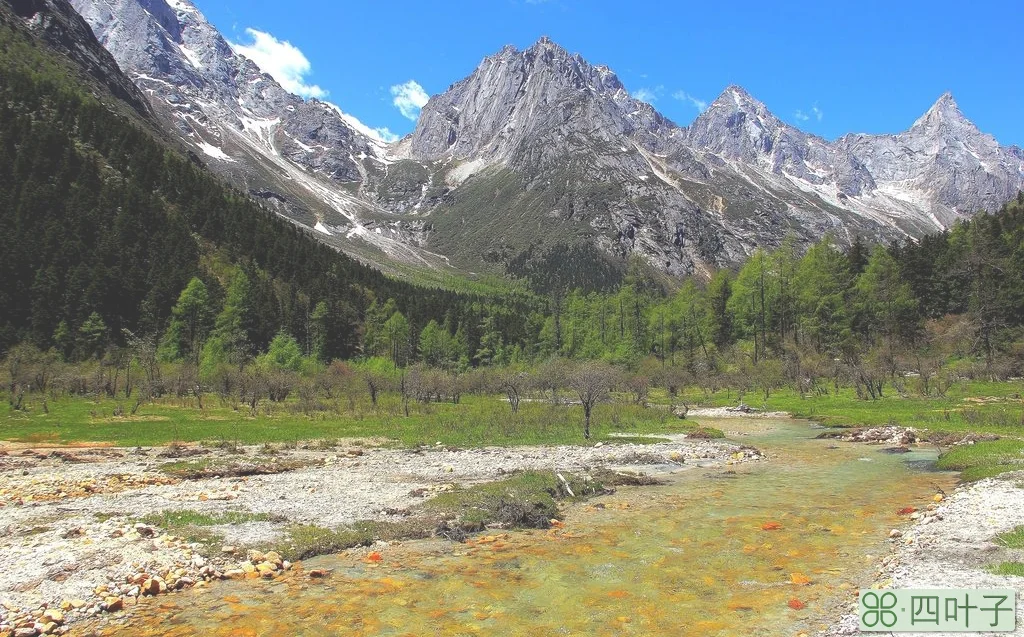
{"type": "Point", "coordinates": [829, 67]}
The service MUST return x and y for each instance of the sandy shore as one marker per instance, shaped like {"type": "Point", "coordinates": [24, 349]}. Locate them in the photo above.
{"type": "Point", "coordinates": [73, 548]}
{"type": "Point", "coordinates": [952, 544]}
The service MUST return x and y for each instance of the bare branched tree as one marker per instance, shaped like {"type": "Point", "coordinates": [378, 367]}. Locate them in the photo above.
{"type": "Point", "coordinates": [592, 381]}
{"type": "Point", "coordinates": [514, 383]}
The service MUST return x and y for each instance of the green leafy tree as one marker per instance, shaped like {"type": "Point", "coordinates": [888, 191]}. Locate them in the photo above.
{"type": "Point", "coordinates": [228, 343]}
{"type": "Point", "coordinates": [397, 332]}
{"type": "Point", "coordinates": [92, 335]}
{"type": "Point", "coordinates": [823, 279]}
{"type": "Point", "coordinates": [436, 347]}
{"type": "Point", "coordinates": [754, 296]}
{"type": "Point", "coordinates": [284, 353]}
{"type": "Point", "coordinates": [191, 320]}
{"type": "Point", "coordinates": [319, 321]}
{"type": "Point", "coordinates": [886, 307]}
{"type": "Point", "coordinates": [375, 339]}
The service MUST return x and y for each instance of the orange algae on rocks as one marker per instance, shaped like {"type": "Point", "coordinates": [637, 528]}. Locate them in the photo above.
{"type": "Point", "coordinates": [771, 526]}
{"type": "Point", "coordinates": [375, 557]}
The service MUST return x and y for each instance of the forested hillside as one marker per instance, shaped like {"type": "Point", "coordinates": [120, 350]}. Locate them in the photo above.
{"type": "Point", "coordinates": [104, 226]}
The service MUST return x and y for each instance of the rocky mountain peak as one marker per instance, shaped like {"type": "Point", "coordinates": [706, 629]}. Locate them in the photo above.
{"type": "Point", "coordinates": [739, 127]}
{"type": "Point", "coordinates": [736, 126]}
{"type": "Point", "coordinates": [735, 96]}
{"type": "Point", "coordinates": [944, 114]}
{"type": "Point", "coordinates": [522, 95]}
{"type": "Point", "coordinates": [540, 140]}
{"type": "Point", "coordinates": [943, 163]}
{"type": "Point", "coordinates": [215, 97]}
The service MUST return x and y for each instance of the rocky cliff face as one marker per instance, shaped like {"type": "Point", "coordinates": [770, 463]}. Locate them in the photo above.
{"type": "Point", "coordinates": [538, 147]}
{"type": "Point", "coordinates": [60, 26]}
{"type": "Point", "coordinates": [737, 127]}
{"type": "Point", "coordinates": [192, 74]}
{"type": "Point", "coordinates": [516, 97]}
{"type": "Point", "coordinates": [943, 164]}
{"type": "Point", "coordinates": [305, 158]}
{"type": "Point", "coordinates": [736, 178]}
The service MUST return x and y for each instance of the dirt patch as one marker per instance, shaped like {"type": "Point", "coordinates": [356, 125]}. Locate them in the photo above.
{"type": "Point", "coordinates": [232, 468]}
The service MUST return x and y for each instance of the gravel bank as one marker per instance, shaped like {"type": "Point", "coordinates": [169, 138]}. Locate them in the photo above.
{"type": "Point", "coordinates": [73, 548]}
{"type": "Point", "coordinates": [951, 546]}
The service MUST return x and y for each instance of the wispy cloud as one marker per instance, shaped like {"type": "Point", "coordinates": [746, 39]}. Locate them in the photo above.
{"type": "Point", "coordinates": [815, 113]}
{"type": "Point", "coordinates": [649, 95]}
{"type": "Point", "coordinates": [281, 60]}
{"type": "Point", "coordinates": [384, 134]}
{"type": "Point", "coordinates": [409, 98]}
{"type": "Point", "coordinates": [696, 102]}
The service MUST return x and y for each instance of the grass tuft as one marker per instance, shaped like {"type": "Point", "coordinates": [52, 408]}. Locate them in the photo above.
{"type": "Point", "coordinates": [984, 459]}
{"type": "Point", "coordinates": [1008, 568]}
{"type": "Point", "coordinates": [1012, 539]}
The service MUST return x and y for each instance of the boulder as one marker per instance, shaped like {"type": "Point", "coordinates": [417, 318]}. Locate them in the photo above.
{"type": "Point", "coordinates": [113, 604]}
{"type": "Point", "coordinates": [52, 615]}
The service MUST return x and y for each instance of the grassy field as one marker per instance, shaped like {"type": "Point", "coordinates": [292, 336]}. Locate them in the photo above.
{"type": "Point", "coordinates": [476, 421]}
{"type": "Point", "coordinates": [968, 408]}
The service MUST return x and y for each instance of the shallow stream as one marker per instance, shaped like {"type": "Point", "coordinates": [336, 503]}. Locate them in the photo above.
{"type": "Point", "coordinates": [765, 548]}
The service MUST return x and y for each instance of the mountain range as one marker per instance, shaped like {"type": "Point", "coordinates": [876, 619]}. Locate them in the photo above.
{"type": "Point", "coordinates": [538, 150]}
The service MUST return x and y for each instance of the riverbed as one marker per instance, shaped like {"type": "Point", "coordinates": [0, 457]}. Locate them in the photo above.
{"type": "Point", "coordinates": [767, 548]}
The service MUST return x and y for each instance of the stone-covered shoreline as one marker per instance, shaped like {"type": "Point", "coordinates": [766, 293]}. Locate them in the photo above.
{"type": "Point", "coordinates": [74, 546]}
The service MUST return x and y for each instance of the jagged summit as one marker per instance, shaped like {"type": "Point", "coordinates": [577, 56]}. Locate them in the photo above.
{"type": "Point", "coordinates": [521, 96]}
{"type": "Point", "coordinates": [206, 90]}
{"type": "Point", "coordinates": [942, 163]}
{"type": "Point", "coordinates": [736, 95]}
{"type": "Point", "coordinates": [944, 112]}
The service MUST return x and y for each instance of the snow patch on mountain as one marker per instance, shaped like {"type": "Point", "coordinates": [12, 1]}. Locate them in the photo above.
{"type": "Point", "coordinates": [212, 151]}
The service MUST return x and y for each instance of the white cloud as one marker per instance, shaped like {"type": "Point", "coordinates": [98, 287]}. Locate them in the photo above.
{"type": "Point", "coordinates": [696, 102]}
{"type": "Point", "coordinates": [409, 98]}
{"type": "Point", "coordinates": [281, 60]}
{"type": "Point", "coordinates": [649, 95]}
{"type": "Point", "coordinates": [644, 95]}
{"type": "Point", "coordinates": [382, 134]}
{"type": "Point", "coordinates": [802, 116]}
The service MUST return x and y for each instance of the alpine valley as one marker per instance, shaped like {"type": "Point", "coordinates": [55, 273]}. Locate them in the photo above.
{"type": "Point", "coordinates": [538, 151]}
